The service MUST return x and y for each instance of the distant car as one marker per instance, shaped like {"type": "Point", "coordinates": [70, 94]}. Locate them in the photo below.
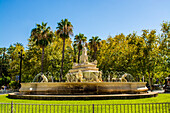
{"type": "Point", "coordinates": [156, 87]}
{"type": "Point", "coordinates": [167, 84]}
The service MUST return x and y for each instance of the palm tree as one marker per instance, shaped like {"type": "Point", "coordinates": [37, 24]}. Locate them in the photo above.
{"type": "Point", "coordinates": [80, 40]}
{"type": "Point", "coordinates": [64, 30]}
{"type": "Point", "coordinates": [42, 37]}
{"type": "Point", "coordinates": [18, 44]}
{"type": "Point", "coordinates": [94, 43]}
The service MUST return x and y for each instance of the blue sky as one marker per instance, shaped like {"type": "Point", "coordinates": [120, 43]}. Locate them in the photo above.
{"type": "Point", "coordinates": [90, 17]}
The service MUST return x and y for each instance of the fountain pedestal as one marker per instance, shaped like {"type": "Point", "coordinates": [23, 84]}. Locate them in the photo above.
{"type": "Point", "coordinates": [84, 71]}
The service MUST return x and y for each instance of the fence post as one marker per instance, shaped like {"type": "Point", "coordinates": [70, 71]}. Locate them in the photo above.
{"type": "Point", "coordinates": [93, 108]}
{"type": "Point", "coordinates": [12, 107]}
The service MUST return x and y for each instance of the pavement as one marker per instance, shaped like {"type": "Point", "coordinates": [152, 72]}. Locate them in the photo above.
{"type": "Point", "coordinates": [5, 92]}
{"type": "Point", "coordinates": [158, 91]}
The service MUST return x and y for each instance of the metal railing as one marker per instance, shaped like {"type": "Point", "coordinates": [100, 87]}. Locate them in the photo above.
{"type": "Point", "coordinates": [86, 108]}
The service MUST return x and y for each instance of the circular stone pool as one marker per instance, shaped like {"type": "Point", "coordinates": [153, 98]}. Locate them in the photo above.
{"type": "Point", "coordinates": [77, 88]}
{"type": "Point", "coordinates": [82, 90]}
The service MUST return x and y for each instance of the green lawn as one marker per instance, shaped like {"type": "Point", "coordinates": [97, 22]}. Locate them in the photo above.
{"type": "Point", "coordinates": [86, 106]}
{"type": "Point", "coordinates": [161, 98]}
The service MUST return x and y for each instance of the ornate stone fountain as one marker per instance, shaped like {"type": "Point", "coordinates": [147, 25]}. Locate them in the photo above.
{"type": "Point", "coordinates": [84, 81]}
{"type": "Point", "coordinates": [84, 71]}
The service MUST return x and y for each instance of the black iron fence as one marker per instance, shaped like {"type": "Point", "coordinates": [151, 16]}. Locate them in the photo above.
{"type": "Point", "coordinates": [86, 108]}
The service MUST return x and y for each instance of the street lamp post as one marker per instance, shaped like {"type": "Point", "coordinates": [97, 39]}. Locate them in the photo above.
{"type": "Point", "coordinates": [20, 68]}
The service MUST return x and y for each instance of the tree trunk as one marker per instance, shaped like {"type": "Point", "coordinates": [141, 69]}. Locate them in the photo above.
{"type": "Point", "coordinates": [42, 60]}
{"type": "Point", "coordinates": [61, 74]}
{"type": "Point", "coordinates": [150, 83]}
{"type": "Point", "coordinates": [143, 75]}
{"type": "Point", "coordinates": [20, 69]}
{"type": "Point", "coordinates": [79, 57]}
{"type": "Point", "coordinates": [74, 55]}
{"type": "Point", "coordinates": [95, 51]}
{"type": "Point", "coordinates": [1, 70]}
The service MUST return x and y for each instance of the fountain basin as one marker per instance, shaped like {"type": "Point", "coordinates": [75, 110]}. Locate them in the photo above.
{"type": "Point", "coordinates": [82, 88]}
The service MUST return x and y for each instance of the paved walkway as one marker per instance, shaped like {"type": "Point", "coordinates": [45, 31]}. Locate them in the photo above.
{"type": "Point", "coordinates": [158, 91]}
{"type": "Point", "coordinates": [5, 92]}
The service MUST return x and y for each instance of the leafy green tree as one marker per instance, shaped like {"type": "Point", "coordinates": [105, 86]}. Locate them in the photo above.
{"type": "Point", "coordinates": [1, 58]}
{"type": "Point", "coordinates": [42, 36]}
{"type": "Point", "coordinates": [124, 54]}
{"type": "Point", "coordinates": [4, 64]}
{"type": "Point", "coordinates": [150, 54]}
{"type": "Point", "coordinates": [14, 59]}
{"type": "Point", "coordinates": [54, 57]}
{"type": "Point", "coordinates": [164, 44]}
{"type": "Point", "coordinates": [64, 30]}
{"type": "Point", "coordinates": [80, 40]}
{"type": "Point", "coordinates": [32, 61]}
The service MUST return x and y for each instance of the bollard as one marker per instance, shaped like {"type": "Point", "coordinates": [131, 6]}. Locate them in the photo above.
{"type": "Point", "coordinates": [12, 107]}
{"type": "Point", "coordinates": [93, 108]}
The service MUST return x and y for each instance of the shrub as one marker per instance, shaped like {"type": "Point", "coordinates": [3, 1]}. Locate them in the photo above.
{"type": "Point", "coordinates": [14, 84]}
{"type": "Point", "coordinates": [5, 80]}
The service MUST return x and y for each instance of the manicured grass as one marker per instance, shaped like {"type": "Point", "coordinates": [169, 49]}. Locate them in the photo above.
{"type": "Point", "coordinates": [161, 98]}
{"type": "Point", "coordinates": [86, 106]}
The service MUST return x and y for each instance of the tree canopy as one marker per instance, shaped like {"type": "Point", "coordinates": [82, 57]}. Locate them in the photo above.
{"type": "Point", "coordinates": [146, 57]}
